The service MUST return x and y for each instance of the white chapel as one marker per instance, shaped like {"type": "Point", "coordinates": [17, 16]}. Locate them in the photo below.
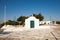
{"type": "Point", "coordinates": [32, 22]}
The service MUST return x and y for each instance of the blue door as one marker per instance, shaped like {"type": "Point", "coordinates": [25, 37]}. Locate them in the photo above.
{"type": "Point", "coordinates": [31, 24]}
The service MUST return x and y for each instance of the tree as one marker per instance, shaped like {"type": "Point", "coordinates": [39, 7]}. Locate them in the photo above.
{"type": "Point", "coordinates": [58, 22]}
{"type": "Point", "coordinates": [39, 16]}
{"type": "Point", "coordinates": [21, 19]}
{"type": "Point", "coordinates": [10, 22]}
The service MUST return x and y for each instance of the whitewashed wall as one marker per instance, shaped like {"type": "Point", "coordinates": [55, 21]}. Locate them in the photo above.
{"type": "Point", "coordinates": [47, 22]}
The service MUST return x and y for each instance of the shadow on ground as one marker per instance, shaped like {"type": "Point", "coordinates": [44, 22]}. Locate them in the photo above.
{"type": "Point", "coordinates": [2, 32]}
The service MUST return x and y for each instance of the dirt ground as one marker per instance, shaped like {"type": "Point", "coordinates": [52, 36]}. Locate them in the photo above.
{"type": "Point", "coordinates": [52, 33]}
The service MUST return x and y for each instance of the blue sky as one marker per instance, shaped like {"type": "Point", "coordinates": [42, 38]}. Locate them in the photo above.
{"type": "Point", "coordinates": [16, 8]}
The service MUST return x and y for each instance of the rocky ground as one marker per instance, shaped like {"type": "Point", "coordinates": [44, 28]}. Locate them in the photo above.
{"type": "Point", "coordinates": [51, 33]}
